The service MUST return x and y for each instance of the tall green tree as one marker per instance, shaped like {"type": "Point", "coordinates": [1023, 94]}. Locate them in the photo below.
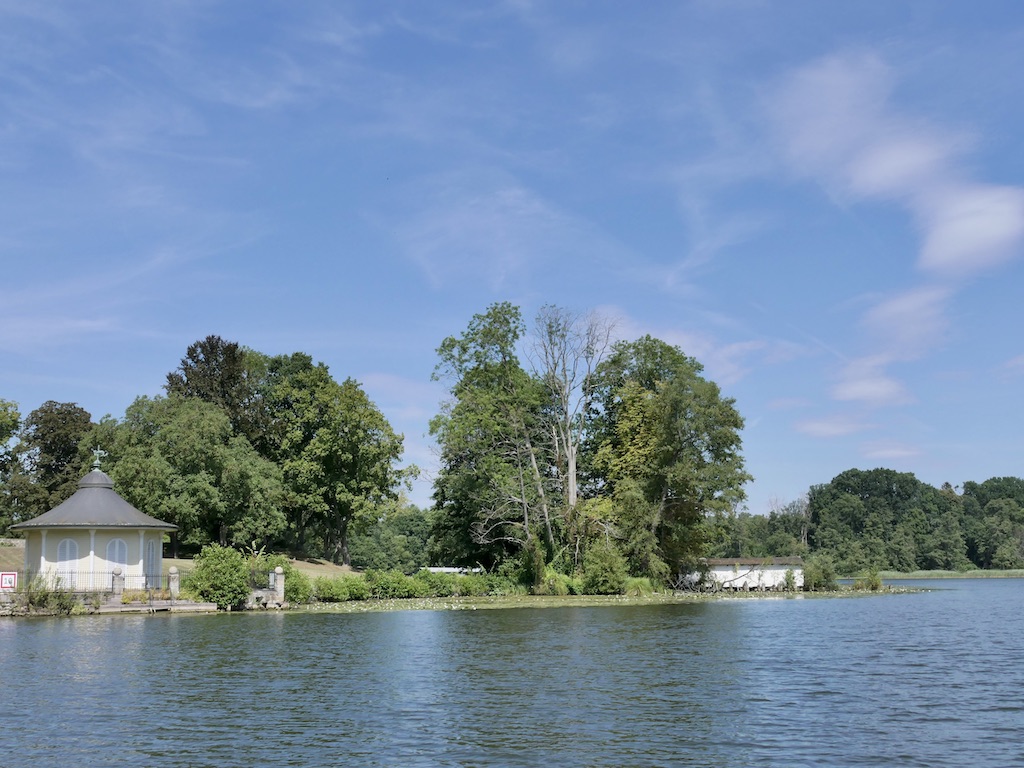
{"type": "Point", "coordinates": [219, 372]}
{"type": "Point", "coordinates": [10, 420]}
{"type": "Point", "coordinates": [492, 494]}
{"type": "Point", "coordinates": [44, 466]}
{"type": "Point", "coordinates": [667, 435]}
{"type": "Point", "coordinates": [339, 456]}
{"type": "Point", "coordinates": [177, 459]}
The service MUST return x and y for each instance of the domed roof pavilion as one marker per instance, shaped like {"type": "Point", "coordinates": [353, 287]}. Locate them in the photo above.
{"type": "Point", "coordinates": [82, 540]}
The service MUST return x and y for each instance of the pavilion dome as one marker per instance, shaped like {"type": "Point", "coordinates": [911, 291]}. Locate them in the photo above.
{"type": "Point", "coordinates": [94, 505]}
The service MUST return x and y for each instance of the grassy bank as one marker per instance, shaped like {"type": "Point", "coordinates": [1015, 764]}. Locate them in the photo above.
{"type": "Point", "coordinates": [568, 601]}
{"type": "Point", "coordinates": [978, 574]}
{"type": "Point", "coordinates": [311, 568]}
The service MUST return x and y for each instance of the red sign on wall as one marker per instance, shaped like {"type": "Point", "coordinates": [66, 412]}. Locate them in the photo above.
{"type": "Point", "coordinates": [8, 581]}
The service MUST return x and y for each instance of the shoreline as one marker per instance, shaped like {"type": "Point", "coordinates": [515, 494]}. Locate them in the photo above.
{"type": "Point", "coordinates": [574, 601]}
{"type": "Point", "coordinates": [936, 575]}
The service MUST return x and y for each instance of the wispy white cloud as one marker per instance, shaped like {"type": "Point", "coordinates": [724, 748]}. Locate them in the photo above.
{"type": "Point", "coordinates": [832, 426]}
{"type": "Point", "coordinates": [726, 362]}
{"type": "Point", "coordinates": [866, 381]}
{"type": "Point", "coordinates": [910, 323]}
{"type": "Point", "coordinates": [493, 230]}
{"type": "Point", "coordinates": [970, 227]}
{"type": "Point", "coordinates": [840, 125]}
{"type": "Point", "coordinates": [1013, 367]}
{"type": "Point", "coordinates": [889, 451]}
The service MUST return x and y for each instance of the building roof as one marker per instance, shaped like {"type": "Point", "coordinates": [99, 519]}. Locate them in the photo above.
{"type": "Point", "coordinates": [94, 505]}
{"type": "Point", "coordinates": [755, 561]}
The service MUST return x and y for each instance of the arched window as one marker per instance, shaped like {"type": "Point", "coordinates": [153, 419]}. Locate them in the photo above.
{"type": "Point", "coordinates": [117, 554]}
{"type": "Point", "coordinates": [152, 564]}
{"type": "Point", "coordinates": [67, 563]}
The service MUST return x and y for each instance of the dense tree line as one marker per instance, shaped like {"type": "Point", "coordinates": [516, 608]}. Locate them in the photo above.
{"type": "Point", "coordinates": [617, 451]}
{"type": "Point", "coordinates": [242, 449]}
{"type": "Point", "coordinates": [590, 460]}
{"type": "Point", "coordinates": [887, 520]}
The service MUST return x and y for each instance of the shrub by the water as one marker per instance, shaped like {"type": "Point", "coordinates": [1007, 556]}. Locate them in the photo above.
{"type": "Point", "coordinates": [437, 584]}
{"type": "Point", "coordinates": [328, 590]}
{"type": "Point", "coordinates": [553, 583]}
{"type": "Point", "coordinates": [869, 581]}
{"type": "Point", "coordinates": [49, 597]}
{"type": "Point", "coordinates": [357, 587]}
{"type": "Point", "coordinates": [386, 585]}
{"type": "Point", "coordinates": [219, 575]}
{"type": "Point", "coordinates": [604, 570]}
{"type": "Point", "coordinates": [819, 574]}
{"type": "Point", "coordinates": [639, 586]}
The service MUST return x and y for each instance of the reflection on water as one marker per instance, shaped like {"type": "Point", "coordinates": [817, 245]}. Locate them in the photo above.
{"type": "Point", "coordinates": [925, 679]}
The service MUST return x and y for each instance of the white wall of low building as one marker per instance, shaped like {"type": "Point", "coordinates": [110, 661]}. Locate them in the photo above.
{"type": "Point", "coordinates": [91, 569]}
{"type": "Point", "coordinates": [755, 576]}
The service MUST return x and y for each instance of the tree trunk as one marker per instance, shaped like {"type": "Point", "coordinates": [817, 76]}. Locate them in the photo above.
{"type": "Point", "coordinates": [549, 538]}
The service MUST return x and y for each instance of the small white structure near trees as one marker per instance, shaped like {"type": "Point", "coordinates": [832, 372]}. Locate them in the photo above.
{"type": "Point", "coordinates": [755, 573]}
{"type": "Point", "coordinates": [93, 537]}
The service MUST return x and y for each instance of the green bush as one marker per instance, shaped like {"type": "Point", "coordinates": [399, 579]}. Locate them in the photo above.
{"type": "Point", "coordinates": [473, 585]}
{"type": "Point", "coordinates": [639, 586]}
{"type": "Point", "coordinates": [869, 581]}
{"type": "Point", "coordinates": [298, 587]}
{"type": "Point", "coordinates": [49, 597]}
{"type": "Point", "coordinates": [604, 570]}
{"type": "Point", "coordinates": [357, 587]}
{"type": "Point", "coordinates": [553, 583]}
{"type": "Point", "coordinates": [328, 590]}
{"type": "Point", "coordinates": [391, 585]}
{"type": "Point", "coordinates": [220, 575]}
{"type": "Point", "coordinates": [437, 584]}
{"type": "Point", "coordinates": [819, 574]}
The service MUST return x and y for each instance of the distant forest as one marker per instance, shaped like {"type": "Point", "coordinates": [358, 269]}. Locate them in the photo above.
{"type": "Point", "coordinates": [886, 520]}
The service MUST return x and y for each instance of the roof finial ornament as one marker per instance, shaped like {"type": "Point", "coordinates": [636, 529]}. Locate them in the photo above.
{"type": "Point", "coordinates": [99, 453]}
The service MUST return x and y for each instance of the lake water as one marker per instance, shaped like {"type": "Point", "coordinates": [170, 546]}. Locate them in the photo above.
{"type": "Point", "coordinates": [930, 679]}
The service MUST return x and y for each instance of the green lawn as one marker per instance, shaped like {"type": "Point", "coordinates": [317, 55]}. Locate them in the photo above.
{"type": "Point", "coordinates": [11, 558]}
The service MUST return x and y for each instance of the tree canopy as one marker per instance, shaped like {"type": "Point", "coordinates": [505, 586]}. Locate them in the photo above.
{"type": "Point", "coordinates": [631, 451]}
{"type": "Point", "coordinates": [245, 449]}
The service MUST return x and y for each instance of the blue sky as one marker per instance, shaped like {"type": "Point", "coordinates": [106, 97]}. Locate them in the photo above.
{"type": "Point", "coordinates": [822, 202]}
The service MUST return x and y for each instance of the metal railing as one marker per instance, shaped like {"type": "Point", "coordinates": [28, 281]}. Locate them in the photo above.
{"type": "Point", "coordinates": [91, 581]}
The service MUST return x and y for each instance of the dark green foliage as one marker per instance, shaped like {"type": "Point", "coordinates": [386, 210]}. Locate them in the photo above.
{"type": "Point", "coordinates": [397, 539]}
{"type": "Point", "coordinates": [215, 371]}
{"type": "Point", "coordinates": [881, 519]}
{"type": "Point", "coordinates": [220, 575]}
{"type": "Point", "coordinates": [357, 587]}
{"type": "Point", "coordinates": [44, 466]}
{"type": "Point", "coordinates": [328, 590]}
{"type": "Point", "coordinates": [604, 570]}
{"type": "Point", "coordinates": [819, 574]}
{"type": "Point", "coordinates": [389, 585]}
{"type": "Point", "coordinates": [438, 584]}
{"type": "Point", "coordinates": [537, 464]}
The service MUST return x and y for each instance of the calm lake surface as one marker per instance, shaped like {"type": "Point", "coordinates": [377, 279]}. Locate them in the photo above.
{"type": "Point", "coordinates": [930, 679]}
